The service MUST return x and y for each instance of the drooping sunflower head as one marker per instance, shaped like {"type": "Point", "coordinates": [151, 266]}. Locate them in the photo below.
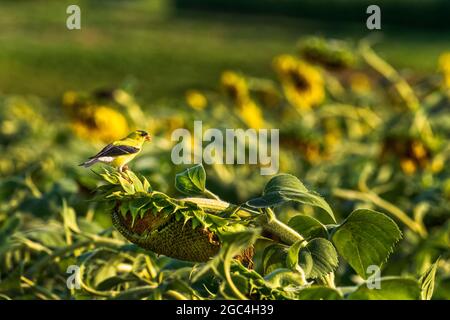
{"type": "Point", "coordinates": [330, 53]}
{"type": "Point", "coordinates": [302, 83]}
{"type": "Point", "coordinates": [235, 87]}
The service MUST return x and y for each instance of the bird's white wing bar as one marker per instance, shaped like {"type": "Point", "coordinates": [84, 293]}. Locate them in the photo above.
{"type": "Point", "coordinates": [106, 159]}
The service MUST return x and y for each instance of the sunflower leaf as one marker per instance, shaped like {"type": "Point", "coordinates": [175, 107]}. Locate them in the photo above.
{"type": "Point", "coordinates": [191, 181]}
{"type": "Point", "coordinates": [285, 187]}
{"type": "Point", "coordinates": [366, 238]}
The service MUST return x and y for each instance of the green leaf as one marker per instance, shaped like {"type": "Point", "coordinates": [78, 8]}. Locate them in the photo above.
{"type": "Point", "coordinates": [11, 281]}
{"type": "Point", "coordinates": [191, 181]}
{"type": "Point", "coordinates": [126, 185]}
{"type": "Point", "coordinates": [390, 288]}
{"type": "Point", "coordinates": [8, 228]}
{"type": "Point", "coordinates": [274, 257]}
{"type": "Point", "coordinates": [233, 243]}
{"type": "Point", "coordinates": [146, 185]}
{"type": "Point", "coordinates": [323, 256]}
{"type": "Point", "coordinates": [319, 293]}
{"type": "Point", "coordinates": [135, 181]}
{"type": "Point", "coordinates": [293, 254]}
{"type": "Point", "coordinates": [366, 238]}
{"type": "Point", "coordinates": [317, 258]}
{"type": "Point", "coordinates": [427, 281]}
{"type": "Point", "coordinates": [69, 218]}
{"type": "Point", "coordinates": [137, 207]}
{"type": "Point", "coordinates": [308, 227]}
{"type": "Point", "coordinates": [285, 187]}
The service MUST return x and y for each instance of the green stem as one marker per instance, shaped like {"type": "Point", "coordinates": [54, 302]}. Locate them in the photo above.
{"type": "Point", "coordinates": [286, 234]}
{"type": "Point", "coordinates": [387, 71]}
{"type": "Point", "coordinates": [268, 221]}
{"type": "Point", "coordinates": [216, 206]}
{"type": "Point", "coordinates": [211, 195]}
{"type": "Point", "coordinates": [176, 295]}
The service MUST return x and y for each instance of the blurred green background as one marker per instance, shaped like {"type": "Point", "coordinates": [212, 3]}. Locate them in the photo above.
{"type": "Point", "coordinates": [166, 47]}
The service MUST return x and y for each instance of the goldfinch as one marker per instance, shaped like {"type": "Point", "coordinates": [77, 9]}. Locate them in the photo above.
{"type": "Point", "coordinates": [119, 153]}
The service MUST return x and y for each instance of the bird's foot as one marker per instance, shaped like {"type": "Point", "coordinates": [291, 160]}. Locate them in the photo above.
{"type": "Point", "coordinates": [123, 174]}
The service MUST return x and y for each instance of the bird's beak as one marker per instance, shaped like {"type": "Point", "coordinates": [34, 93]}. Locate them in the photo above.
{"type": "Point", "coordinates": [148, 138]}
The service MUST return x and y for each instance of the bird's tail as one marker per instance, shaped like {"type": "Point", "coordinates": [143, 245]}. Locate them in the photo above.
{"type": "Point", "coordinates": [89, 162]}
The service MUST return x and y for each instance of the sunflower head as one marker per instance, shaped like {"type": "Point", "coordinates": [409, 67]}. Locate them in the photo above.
{"type": "Point", "coordinates": [100, 123]}
{"type": "Point", "coordinates": [235, 87]}
{"type": "Point", "coordinates": [302, 83]}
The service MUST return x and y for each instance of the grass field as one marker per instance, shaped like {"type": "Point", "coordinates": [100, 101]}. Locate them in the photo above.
{"type": "Point", "coordinates": [164, 51]}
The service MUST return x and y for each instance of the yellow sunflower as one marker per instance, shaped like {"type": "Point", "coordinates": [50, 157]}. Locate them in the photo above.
{"type": "Point", "coordinates": [100, 123]}
{"type": "Point", "coordinates": [93, 121]}
{"type": "Point", "coordinates": [252, 115]}
{"type": "Point", "coordinates": [235, 87]}
{"type": "Point", "coordinates": [302, 83]}
{"type": "Point", "coordinates": [196, 100]}
{"type": "Point", "coordinates": [444, 67]}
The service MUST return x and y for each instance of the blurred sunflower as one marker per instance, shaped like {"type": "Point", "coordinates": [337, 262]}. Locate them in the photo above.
{"type": "Point", "coordinates": [236, 88]}
{"type": "Point", "coordinates": [92, 121]}
{"type": "Point", "coordinates": [251, 114]}
{"type": "Point", "coordinates": [196, 100]}
{"type": "Point", "coordinates": [444, 67]}
{"type": "Point", "coordinates": [413, 154]}
{"type": "Point", "coordinates": [331, 54]}
{"type": "Point", "coordinates": [100, 123]}
{"type": "Point", "coordinates": [302, 83]}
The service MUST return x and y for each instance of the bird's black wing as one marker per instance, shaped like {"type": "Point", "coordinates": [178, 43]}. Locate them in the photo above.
{"type": "Point", "coordinates": [113, 151]}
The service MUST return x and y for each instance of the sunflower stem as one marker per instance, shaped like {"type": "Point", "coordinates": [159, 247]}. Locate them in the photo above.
{"type": "Point", "coordinates": [286, 234]}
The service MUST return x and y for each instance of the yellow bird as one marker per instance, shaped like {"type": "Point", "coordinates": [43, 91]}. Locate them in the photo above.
{"type": "Point", "coordinates": [120, 152]}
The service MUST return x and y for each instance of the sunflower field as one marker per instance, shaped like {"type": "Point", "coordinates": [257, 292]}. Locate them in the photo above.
{"type": "Point", "coordinates": [359, 208]}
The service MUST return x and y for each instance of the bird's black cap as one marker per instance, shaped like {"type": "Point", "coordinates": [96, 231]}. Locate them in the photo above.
{"type": "Point", "coordinates": [142, 133]}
